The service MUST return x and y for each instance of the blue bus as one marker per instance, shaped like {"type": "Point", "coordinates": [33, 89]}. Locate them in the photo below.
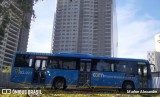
{"type": "Point", "coordinates": [62, 70]}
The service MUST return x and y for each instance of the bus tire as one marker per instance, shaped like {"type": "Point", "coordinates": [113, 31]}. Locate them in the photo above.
{"type": "Point", "coordinates": [128, 86]}
{"type": "Point", "coordinates": [59, 83]}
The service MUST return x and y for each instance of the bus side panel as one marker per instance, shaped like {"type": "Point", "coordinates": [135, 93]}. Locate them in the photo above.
{"type": "Point", "coordinates": [71, 76]}
{"type": "Point", "coordinates": [107, 79]}
{"type": "Point", "coordinates": [21, 75]}
{"type": "Point", "coordinates": [111, 79]}
{"type": "Point", "coordinates": [135, 81]}
{"type": "Point", "coordinates": [150, 81]}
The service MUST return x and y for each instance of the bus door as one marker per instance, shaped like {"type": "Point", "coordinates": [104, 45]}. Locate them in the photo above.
{"type": "Point", "coordinates": [85, 73]}
{"type": "Point", "coordinates": [142, 72]}
{"type": "Point", "coordinates": [39, 71]}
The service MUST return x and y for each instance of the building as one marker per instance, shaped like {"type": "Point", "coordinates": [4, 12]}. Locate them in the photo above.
{"type": "Point", "coordinates": [12, 40]}
{"type": "Point", "coordinates": [85, 26]}
{"type": "Point", "coordinates": [157, 42]}
{"type": "Point", "coordinates": [154, 58]}
{"type": "Point", "coordinates": [24, 34]}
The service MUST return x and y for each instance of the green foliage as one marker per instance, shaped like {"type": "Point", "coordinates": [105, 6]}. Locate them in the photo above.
{"type": "Point", "coordinates": [8, 69]}
{"type": "Point", "coordinates": [25, 5]}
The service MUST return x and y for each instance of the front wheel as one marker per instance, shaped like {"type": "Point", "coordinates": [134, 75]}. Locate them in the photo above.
{"type": "Point", "coordinates": [128, 86]}
{"type": "Point", "coordinates": [59, 83]}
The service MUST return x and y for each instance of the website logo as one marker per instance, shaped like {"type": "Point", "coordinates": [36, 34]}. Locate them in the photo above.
{"type": "Point", "coordinates": [6, 91]}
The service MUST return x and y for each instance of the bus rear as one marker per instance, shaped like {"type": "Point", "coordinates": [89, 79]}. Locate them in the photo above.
{"type": "Point", "coordinates": [29, 68]}
{"type": "Point", "coordinates": [22, 70]}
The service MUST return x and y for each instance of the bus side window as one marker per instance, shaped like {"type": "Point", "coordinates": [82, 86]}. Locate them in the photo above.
{"type": "Point", "coordinates": [88, 67]}
{"type": "Point", "coordinates": [22, 60]}
{"type": "Point", "coordinates": [145, 70]}
{"type": "Point", "coordinates": [69, 64]}
{"type": "Point", "coordinates": [131, 68]}
{"type": "Point", "coordinates": [37, 64]}
{"type": "Point", "coordinates": [53, 64]}
{"type": "Point", "coordinates": [30, 62]}
{"type": "Point", "coordinates": [44, 64]}
{"type": "Point", "coordinates": [107, 67]}
{"type": "Point", "coordinates": [126, 67]}
{"type": "Point", "coordinates": [82, 67]}
{"type": "Point", "coordinates": [142, 70]}
{"type": "Point", "coordinates": [102, 65]}
{"type": "Point", "coordinates": [112, 67]}
{"type": "Point", "coordinates": [120, 66]}
{"type": "Point", "coordinates": [139, 71]}
{"type": "Point", "coordinates": [94, 65]}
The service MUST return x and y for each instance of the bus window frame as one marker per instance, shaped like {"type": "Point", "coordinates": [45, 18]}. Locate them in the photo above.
{"type": "Point", "coordinates": [133, 63]}
{"type": "Point", "coordinates": [95, 62]}
{"type": "Point", "coordinates": [28, 64]}
{"type": "Point", "coordinates": [61, 61]}
{"type": "Point", "coordinates": [148, 70]}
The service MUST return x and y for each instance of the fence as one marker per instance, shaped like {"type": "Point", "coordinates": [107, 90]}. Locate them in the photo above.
{"type": "Point", "coordinates": [5, 81]}
{"type": "Point", "coordinates": [156, 80]}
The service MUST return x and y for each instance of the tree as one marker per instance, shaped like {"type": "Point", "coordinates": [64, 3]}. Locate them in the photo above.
{"type": "Point", "coordinates": [24, 6]}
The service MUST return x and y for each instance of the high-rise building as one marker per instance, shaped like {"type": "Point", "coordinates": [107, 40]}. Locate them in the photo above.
{"type": "Point", "coordinates": [85, 26]}
{"type": "Point", "coordinates": [154, 58]}
{"type": "Point", "coordinates": [157, 42]}
{"type": "Point", "coordinates": [13, 32]}
{"type": "Point", "coordinates": [24, 33]}
{"type": "Point", "coordinates": [11, 35]}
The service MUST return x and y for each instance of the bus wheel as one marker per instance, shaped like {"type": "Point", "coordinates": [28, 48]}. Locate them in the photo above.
{"type": "Point", "coordinates": [59, 83]}
{"type": "Point", "coordinates": [128, 86]}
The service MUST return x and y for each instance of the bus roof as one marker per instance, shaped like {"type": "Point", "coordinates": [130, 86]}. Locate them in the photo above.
{"type": "Point", "coordinates": [80, 55]}
{"type": "Point", "coordinates": [35, 53]}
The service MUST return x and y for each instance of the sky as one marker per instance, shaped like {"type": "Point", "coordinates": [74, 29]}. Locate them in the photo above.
{"type": "Point", "coordinates": [138, 22]}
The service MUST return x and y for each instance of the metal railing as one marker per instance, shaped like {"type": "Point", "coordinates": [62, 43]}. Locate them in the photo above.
{"type": "Point", "coordinates": [156, 80]}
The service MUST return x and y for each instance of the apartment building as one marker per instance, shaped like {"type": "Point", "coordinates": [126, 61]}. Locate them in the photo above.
{"type": "Point", "coordinates": [85, 26]}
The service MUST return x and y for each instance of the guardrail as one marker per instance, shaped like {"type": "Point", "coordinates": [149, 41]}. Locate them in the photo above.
{"type": "Point", "coordinates": [156, 80]}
